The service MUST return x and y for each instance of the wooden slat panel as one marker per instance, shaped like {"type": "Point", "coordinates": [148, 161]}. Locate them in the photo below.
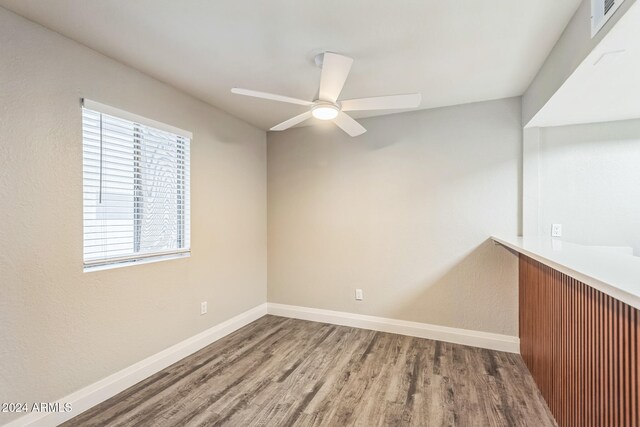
{"type": "Point", "coordinates": [581, 346]}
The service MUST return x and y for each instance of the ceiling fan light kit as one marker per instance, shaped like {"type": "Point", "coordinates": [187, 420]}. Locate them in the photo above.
{"type": "Point", "coordinates": [335, 69]}
{"type": "Point", "coordinates": [325, 111]}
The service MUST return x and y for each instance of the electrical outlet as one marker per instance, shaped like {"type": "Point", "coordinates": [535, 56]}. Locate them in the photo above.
{"type": "Point", "coordinates": [556, 230]}
{"type": "Point", "coordinates": [359, 295]}
{"type": "Point", "coordinates": [203, 307]}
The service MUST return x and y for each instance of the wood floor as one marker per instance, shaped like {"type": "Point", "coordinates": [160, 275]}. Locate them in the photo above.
{"type": "Point", "coordinates": [281, 372]}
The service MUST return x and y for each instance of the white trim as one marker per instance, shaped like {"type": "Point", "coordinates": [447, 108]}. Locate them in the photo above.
{"type": "Point", "coordinates": [108, 387]}
{"type": "Point", "coordinates": [468, 337]}
{"type": "Point", "coordinates": [102, 390]}
{"type": "Point", "coordinates": [122, 114]}
{"type": "Point", "coordinates": [133, 260]}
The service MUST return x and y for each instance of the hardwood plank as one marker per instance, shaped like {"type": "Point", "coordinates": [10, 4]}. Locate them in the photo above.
{"type": "Point", "coordinates": [288, 372]}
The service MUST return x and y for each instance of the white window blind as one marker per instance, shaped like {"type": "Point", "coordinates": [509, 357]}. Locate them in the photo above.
{"type": "Point", "coordinates": [135, 188]}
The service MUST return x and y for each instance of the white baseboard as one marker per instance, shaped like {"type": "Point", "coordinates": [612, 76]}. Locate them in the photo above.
{"type": "Point", "coordinates": [414, 329]}
{"type": "Point", "coordinates": [102, 390]}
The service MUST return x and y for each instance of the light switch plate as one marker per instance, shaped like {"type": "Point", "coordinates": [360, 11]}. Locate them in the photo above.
{"type": "Point", "coordinates": [359, 295]}
{"type": "Point", "coordinates": [556, 230]}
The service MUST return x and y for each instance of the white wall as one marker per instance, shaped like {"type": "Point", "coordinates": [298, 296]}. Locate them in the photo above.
{"type": "Point", "coordinates": [571, 49]}
{"type": "Point", "coordinates": [404, 212]}
{"type": "Point", "coordinates": [590, 182]}
{"type": "Point", "coordinates": [62, 329]}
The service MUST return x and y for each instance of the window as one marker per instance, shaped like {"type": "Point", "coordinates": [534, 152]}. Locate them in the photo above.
{"type": "Point", "coordinates": [135, 188]}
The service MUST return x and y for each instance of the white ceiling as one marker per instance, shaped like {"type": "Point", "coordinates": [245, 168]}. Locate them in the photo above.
{"type": "Point", "coordinates": [452, 52]}
{"type": "Point", "coordinates": [606, 85]}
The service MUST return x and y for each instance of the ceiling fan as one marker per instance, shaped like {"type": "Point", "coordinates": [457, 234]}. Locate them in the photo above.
{"type": "Point", "coordinates": [335, 69]}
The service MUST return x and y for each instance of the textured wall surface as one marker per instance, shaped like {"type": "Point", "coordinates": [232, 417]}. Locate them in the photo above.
{"type": "Point", "coordinates": [590, 183]}
{"type": "Point", "coordinates": [403, 212]}
{"type": "Point", "coordinates": [62, 329]}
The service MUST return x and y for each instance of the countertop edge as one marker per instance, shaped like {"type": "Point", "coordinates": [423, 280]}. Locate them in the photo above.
{"type": "Point", "coordinates": [606, 287]}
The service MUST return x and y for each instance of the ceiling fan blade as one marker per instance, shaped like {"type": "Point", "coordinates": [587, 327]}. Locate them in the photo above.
{"type": "Point", "coordinates": [292, 121]}
{"type": "Point", "coordinates": [271, 96]}
{"type": "Point", "coordinates": [383, 102]}
{"type": "Point", "coordinates": [348, 124]}
{"type": "Point", "coordinates": [335, 69]}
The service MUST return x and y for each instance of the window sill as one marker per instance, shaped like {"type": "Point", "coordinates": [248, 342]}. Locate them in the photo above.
{"type": "Point", "coordinates": [128, 263]}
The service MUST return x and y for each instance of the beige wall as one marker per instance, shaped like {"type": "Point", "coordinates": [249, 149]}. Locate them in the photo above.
{"type": "Point", "coordinates": [403, 212]}
{"type": "Point", "coordinates": [62, 329]}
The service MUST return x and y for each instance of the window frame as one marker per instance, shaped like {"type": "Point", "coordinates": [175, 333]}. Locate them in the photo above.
{"type": "Point", "coordinates": [183, 205]}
